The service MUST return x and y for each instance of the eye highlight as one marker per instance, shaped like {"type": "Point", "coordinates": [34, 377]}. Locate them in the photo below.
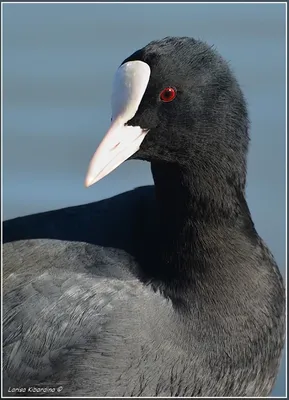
{"type": "Point", "coordinates": [168, 94]}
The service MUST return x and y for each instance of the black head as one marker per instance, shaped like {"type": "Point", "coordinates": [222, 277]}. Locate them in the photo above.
{"type": "Point", "coordinates": [203, 129]}
{"type": "Point", "coordinates": [206, 125]}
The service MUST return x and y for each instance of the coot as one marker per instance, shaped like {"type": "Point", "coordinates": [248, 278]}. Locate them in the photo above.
{"type": "Point", "coordinates": [164, 290]}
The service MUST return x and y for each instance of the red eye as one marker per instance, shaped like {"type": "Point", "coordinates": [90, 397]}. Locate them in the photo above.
{"type": "Point", "coordinates": [168, 94]}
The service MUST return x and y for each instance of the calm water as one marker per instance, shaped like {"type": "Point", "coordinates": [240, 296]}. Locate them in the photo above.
{"type": "Point", "coordinates": [59, 61]}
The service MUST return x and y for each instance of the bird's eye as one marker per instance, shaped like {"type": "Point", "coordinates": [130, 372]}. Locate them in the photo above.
{"type": "Point", "coordinates": [168, 94]}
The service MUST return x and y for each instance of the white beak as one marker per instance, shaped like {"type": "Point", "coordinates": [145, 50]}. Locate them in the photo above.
{"type": "Point", "coordinates": [121, 140]}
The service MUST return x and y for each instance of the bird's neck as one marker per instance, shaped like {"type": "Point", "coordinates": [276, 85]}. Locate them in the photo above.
{"type": "Point", "coordinates": [201, 223]}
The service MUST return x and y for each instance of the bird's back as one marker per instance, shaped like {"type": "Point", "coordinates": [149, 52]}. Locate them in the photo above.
{"type": "Point", "coordinates": [78, 321]}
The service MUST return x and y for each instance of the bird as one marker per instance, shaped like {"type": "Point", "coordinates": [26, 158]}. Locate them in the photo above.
{"type": "Point", "coordinates": [164, 290]}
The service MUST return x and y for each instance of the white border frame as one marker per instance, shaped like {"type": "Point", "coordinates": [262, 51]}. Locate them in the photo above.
{"type": "Point", "coordinates": [286, 238]}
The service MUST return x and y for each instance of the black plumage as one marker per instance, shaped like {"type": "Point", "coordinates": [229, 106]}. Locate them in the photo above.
{"type": "Point", "coordinates": [164, 290]}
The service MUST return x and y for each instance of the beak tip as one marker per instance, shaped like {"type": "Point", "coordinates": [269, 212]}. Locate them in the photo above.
{"type": "Point", "coordinates": [88, 182]}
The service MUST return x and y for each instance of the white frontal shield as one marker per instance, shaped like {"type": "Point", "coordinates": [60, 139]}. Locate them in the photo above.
{"type": "Point", "coordinates": [121, 141]}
